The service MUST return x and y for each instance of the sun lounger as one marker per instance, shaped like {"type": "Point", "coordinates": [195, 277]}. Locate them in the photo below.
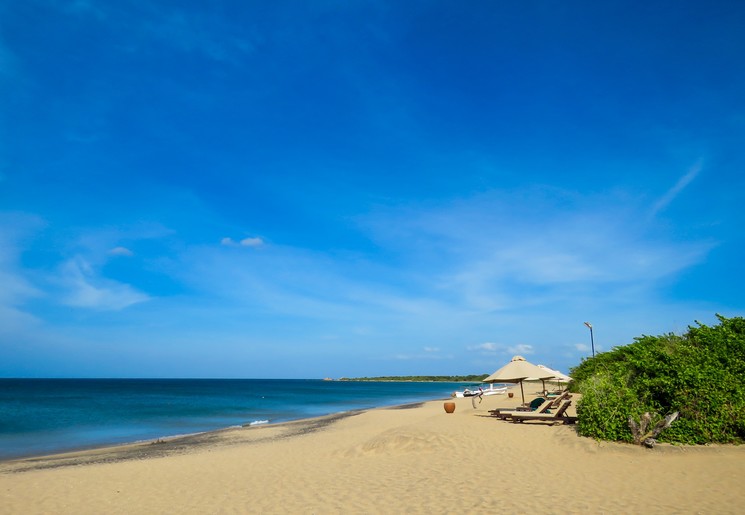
{"type": "Point", "coordinates": [558, 416]}
{"type": "Point", "coordinates": [532, 406]}
{"type": "Point", "coordinates": [556, 401]}
{"type": "Point", "coordinates": [553, 394]}
{"type": "Point", "coordinates": [537, 405]}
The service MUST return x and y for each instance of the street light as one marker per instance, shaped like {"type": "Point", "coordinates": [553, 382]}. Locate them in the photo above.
{"type": "Point", "coordinates": [592, 339]}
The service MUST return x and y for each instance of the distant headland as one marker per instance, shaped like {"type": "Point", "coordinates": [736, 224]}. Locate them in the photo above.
{"type": "Point", "coordinates": [443, 379]}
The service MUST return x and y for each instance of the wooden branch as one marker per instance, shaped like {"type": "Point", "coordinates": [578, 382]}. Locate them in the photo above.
{"type": "Point", "coordinates": [647, 438]}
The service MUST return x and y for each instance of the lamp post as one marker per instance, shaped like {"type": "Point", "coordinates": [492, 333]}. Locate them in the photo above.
{"type": "Point", "coordinates": [592, 339]}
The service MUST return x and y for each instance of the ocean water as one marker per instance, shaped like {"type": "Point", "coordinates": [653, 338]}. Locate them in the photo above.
{"type": "Point", "coordinates": [43, 416]}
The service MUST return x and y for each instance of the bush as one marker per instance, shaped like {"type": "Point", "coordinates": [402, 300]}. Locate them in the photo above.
{"type": "Point", "coordinates": [699, 374]}
{"type": "Point", "coordinates": [607, 402]}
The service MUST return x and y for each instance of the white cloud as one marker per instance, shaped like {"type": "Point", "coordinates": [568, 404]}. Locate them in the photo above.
{"type": "Point", "coordinates": [17, 287]}
{"type": "Point", "coordinates": [84, 289]}
{"type": "Point", "coordinates": [521, 349]}
{"type": "Point", "coordinates": [498, 348]}
{"type": "Point", "coordinates": [441, 275]}
{"type": "Point", "coordinates": [16, 290]}
{"type": "Point", "coordinates": [121, 251]}
{"type": "Point", "coordinates": [504, 250]}
{"type": "Point", "coordinates": [15, 321]}
{"type": "Point", "coordinates": [99, 244]}
{"type": "Point", "coordinates": [14, 227]}
{"type": "Point", "coordinates": [252, 242]}
{"type": "Point", "coordinates": [245, 242]}
{"type": "Point", "coordinates": [454, 272]}
{"type": "Point", "coordinates": [581, 347]}
{"type": "Point", "coordinates": [488, 347]}
{"type": "Point", "coordinates": [673, 192]}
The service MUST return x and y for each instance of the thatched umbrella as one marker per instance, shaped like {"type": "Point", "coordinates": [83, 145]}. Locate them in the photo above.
{"type": "Point", "coordinates": [517, 371]}
{"type": "Point", "coordinates": [559, 377]}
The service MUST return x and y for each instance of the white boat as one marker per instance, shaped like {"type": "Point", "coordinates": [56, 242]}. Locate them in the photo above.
{"type": "Point", "coordinates": [474, 392]}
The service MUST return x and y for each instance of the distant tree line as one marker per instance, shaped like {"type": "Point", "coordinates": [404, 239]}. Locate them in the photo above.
{"type": "Point", "coordinates": [449, 379]}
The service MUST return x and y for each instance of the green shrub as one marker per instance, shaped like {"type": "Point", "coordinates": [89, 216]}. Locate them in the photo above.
{"type": "Point", "coordinates": [607, 402]}
{"type": "Point", "coordinates": [700, 374]}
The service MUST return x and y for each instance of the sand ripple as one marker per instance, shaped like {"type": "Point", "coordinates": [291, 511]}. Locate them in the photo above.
{"type": "Point", "coordinates": [403, 441]}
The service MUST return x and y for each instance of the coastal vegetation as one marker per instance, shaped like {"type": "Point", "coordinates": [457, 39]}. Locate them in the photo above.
{"type": "Point", "coordinates": [476, 378]}
{"type": "Point", "coordinates": [700, 375]}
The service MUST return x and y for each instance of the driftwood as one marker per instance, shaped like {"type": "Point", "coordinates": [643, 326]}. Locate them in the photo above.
{"type": "Point", "coordinates": [647, 438]}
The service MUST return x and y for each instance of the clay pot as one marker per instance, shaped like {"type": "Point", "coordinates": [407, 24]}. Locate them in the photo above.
{"type": "Point", "coordinates": [449, 407]}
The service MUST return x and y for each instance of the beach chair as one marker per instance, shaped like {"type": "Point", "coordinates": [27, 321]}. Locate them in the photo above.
{"type": "Point", "coordinates": [556, 401]}
{"type": "Point", "coordinates": [558, 416]}
{"type": "Point", "coordinates": [554, 393]}
{"type": "Point", "coordinates": [537, 405]}
{"type": "Point", "coordinates": [532, 406]}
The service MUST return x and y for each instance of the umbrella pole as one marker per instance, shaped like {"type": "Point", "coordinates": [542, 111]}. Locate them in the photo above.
{"type": "Point", "coordinates": [522, 392]}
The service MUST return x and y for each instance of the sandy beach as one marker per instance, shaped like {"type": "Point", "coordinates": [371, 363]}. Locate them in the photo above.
{"type": "Point", "coordinates": [409, 459]}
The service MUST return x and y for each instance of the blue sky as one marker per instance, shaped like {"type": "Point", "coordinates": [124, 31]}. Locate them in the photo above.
{"type": "Point", "coordinates": [311, 189]}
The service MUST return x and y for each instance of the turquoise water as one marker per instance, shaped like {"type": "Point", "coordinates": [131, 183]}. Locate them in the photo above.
{"type": "Point", "coordinates": [43, 416]}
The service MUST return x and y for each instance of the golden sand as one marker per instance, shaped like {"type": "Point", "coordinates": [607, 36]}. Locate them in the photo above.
{"type": "Point", "coordinates": [414, 460]}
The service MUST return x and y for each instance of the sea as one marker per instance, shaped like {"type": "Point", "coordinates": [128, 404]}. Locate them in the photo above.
{"type": "Point", "coordinates": [47, 416]}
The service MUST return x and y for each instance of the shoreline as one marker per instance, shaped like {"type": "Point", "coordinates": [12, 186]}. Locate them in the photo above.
{"type": "Point", "coordinates": [79, 416]}
{"type": "Point", "coordinates": [411, 458]}
{"type": "Point", "coordinates": [174, 444]}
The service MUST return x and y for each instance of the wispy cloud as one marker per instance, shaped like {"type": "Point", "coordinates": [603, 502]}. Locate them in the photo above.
{"type": "Point", "coordinates": [84, 288]}
{"type": "Point", "coordinates": [437, 274]}
{"type": "Point", "coordinates": [16, 231]}
{"type": "Point", "coordinates": [17, 289]}
{"type": "Point", "coordinates": [97, 245]}
{"type": "Point", "coordinates": [497, 348]}
{"type": "Point", "coordinates": [521, 348]}
{"type": "Point", "coordinates": [679, 186]}
{"type": "Point", "coordinates": [76, 281]}
{"type": "Point", "coordinates": [551, 246]}
{"type": "Point", "coordinates": [488, 347]}
{"type": "Point", "coordinates": [121, 251]}
{"type": "Point", "coordinates": [245, 242]}
{"type": "Point", "coordinates": [442, 272]}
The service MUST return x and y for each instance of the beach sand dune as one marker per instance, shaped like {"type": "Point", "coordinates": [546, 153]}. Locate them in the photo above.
{"type": "Point", "coordinates": [416, 460]}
